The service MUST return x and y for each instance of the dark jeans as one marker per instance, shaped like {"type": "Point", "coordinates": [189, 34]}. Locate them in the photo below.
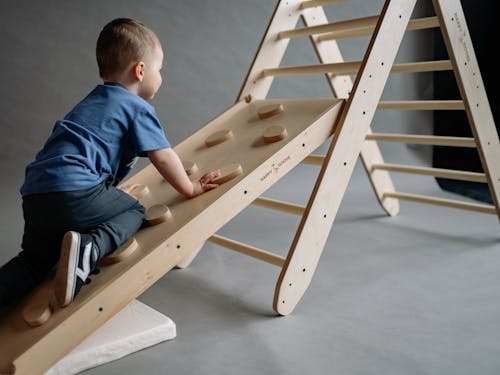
{"type": "Point", "coordinates": [108, 214]}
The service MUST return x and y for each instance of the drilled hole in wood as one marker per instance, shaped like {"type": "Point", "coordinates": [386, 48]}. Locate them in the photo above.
{"type": "Point", "coordinates": [324, 216]}
{"type": "Point", "coordinates": [178, 246]}
{"type": "Point", "coordinates": [303, 270]}
{"type": "Point", "coordinates": [245, 192]}
{"type": "Point", "coordinates": [345, 163]}
{"type": "Point", "coordinates": [100, 309]}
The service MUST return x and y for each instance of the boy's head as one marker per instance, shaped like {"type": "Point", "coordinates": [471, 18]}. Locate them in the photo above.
{"type": "Point", "coordinates": [127, 46]}
{"type": "Point", "coordinates": [122, 42]}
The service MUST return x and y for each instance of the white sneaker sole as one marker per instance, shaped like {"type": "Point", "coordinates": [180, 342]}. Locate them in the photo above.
{"type": "Point", "coordinates": [65, 278]}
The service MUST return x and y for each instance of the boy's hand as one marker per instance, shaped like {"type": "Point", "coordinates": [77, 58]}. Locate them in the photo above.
{"type": "Point", "coordinates": [205, 182]}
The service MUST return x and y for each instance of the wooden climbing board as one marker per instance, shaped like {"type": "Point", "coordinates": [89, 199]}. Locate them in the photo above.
{"type": "Point", "coordinates": [159, 247]}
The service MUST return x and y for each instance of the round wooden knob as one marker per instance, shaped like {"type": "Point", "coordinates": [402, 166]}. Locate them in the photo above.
{"type": "Point", "coordinates": [139, 191]}
{"type": "Point", "coordinates": [37, 315]}
{"type": "Point", "coordinates": [274, 133]}
{"type": "Point", "coordinates": [228, 172]}
{"type": "Point", "coordinates": [270, 110]}
{"type": "Point", "coordinates": [190, 167]}
{"type": "Point", "coordinates": [219, 137]}
{"type": "Point", "coordinates": [121, 253]}
{"type": "Point", "coordinates": [157, 214]}
{"type": "Point", "coordinates": [39, 308]}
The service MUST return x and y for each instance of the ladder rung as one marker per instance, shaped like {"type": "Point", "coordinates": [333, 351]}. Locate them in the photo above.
{"type": "Point", "coordinates": [248, 250]}
{"type": "Point", "coordinates": [485, 208]}
{"type": "Point", "coordinates": [422, 66]}
{"type": "Point", "coordinates": [367, 29]}
{"type": "Point", "coordinates": [314, 159]}
{"type": "Point", "coordinates": [273, 204]}
{"type": "Point", "coordinates": [431, 105]}
{"type": "Point", "coordinates": [436, 172]}
{"type": "Point", "coordinates": [315, 3]}
{"type": "Point", "coordinates": [329, 27]}
{"type": "Point", "coordinates": [423, 139]}
{"type": "Point", "coordinates": [350, 68]}
{"type": "Point", "coordinates": [352, 28]}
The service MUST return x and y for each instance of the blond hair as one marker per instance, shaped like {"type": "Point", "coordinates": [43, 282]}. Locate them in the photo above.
{"type": "Point", "coordinates": [121, 42]}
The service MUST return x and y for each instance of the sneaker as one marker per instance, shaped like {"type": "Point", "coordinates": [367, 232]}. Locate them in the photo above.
{"type": "Point", "coordinates": [76, 262]}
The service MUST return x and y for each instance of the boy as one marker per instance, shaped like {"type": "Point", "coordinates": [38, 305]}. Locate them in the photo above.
{"type": "Point", "coordinates": [70, 199]}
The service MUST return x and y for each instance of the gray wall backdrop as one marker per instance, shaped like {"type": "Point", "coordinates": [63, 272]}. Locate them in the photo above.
{"type": "Point", "coordinates": [48, 65]}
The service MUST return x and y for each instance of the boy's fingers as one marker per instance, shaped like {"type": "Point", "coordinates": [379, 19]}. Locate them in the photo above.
{"type": "Point", "coordinates": [210, 186]}
{"type": "Point", "coordinates": [210, 176]}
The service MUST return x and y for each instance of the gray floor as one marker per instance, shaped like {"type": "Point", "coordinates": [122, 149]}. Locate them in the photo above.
{"type": "Point", "coordinates": [414, 294]}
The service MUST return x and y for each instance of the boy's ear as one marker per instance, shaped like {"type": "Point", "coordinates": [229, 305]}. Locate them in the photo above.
{"type": "Point", "coordinates": [138, 71]}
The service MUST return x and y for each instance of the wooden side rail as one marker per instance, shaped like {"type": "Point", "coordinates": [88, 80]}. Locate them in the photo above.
{"type": "Point", "coordinates": [351, 68]}
{"type": "Point", "coordinates": [423, 105]}
{"type": "Point", "coordinates": [274, 204]}
{"type": "Point", "coordinates": [423, 139]}
{"type": "Point", "coordinates": [352, 28]}
{"type": "Point", "coordinates": [436, 172]}
{"type": "Point", "coordinates": [484, 208]}
{"type": "Point", "coordinates": [248, 250]}
{"type": "Point", "coordinates": [316, 3]}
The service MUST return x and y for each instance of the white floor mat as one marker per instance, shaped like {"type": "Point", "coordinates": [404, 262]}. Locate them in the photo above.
{"type": "Point", "coordinates": [136, 327]}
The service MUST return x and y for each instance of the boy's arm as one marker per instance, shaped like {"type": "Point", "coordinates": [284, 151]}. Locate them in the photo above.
{"type": "Point", "coordinates": [168, 163]}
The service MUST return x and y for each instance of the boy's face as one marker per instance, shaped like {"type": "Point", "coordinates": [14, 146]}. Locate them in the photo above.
{"type": "Point", "coordinates": [152, 74]}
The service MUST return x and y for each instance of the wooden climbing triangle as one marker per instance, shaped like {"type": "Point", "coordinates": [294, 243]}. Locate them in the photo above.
{"type": "Point", "coordinates": [256, 142]}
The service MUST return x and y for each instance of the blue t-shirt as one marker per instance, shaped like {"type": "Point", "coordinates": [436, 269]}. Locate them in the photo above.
{"type": "Point", "coordinates": [100, 138]}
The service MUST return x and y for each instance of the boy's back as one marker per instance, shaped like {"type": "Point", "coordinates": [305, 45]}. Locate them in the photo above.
{"type": "Point", "coordinates": [99, 139]}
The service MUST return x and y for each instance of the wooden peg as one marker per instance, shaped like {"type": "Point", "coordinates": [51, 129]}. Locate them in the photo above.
{"type": "Point", "coordinates": [228, 172]}
{"type": "Point", "coordinates": [137, 191]}
{"type": "Point", "coordinates": [40, 306]}
{"type": "Point", "coordinates": [270, 110]}
{"type": "Point", "coordinates": [219, 137]}
{"type": "Point", "coordinates": [121, 253]}
{"type": "Point", "coordinates": [274, 133]}
{"type": "Point", "coordinates": [157, 214]}
{"type": "Point", "coordinates": [190, 167]}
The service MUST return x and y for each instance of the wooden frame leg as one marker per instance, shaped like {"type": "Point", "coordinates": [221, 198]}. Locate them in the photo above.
{"type": "Point", "coordinates": [459, 45]}
{"type": "Point", "coordinates": [339, 162]}
{"type": "Point", "coordinates": [341, 86]}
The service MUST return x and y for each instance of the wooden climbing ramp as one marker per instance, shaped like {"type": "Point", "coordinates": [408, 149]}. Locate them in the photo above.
{"type": "Point", "coordinates": [257, 141]}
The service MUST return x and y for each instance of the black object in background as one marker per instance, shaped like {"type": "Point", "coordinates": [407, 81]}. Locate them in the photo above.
{"type": "Point", "coordinates": [482, 21]}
